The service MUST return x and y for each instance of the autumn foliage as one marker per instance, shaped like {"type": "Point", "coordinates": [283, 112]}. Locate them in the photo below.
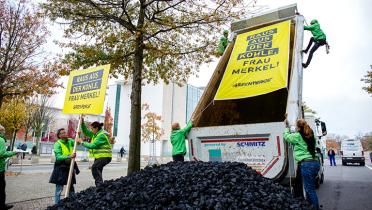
{"type": "Point", "coordinates": [23, 70]}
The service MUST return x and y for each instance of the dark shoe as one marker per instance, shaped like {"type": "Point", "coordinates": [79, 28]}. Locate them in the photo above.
{"type": "Point", "coordinates": [304, 65]}
{"type": "Point", "coordinates": [8, 206]}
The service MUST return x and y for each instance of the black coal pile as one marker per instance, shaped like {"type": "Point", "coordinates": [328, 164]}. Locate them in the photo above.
{"type": "Point", "coordinates": [188, 185]}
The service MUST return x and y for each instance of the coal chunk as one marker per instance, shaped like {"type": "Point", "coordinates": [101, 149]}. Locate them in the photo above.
{"type": "Point", "coordinates": [187, 185]}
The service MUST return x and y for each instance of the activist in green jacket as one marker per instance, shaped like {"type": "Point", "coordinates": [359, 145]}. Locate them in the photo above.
{"type": "Point", "coordinates": [223, 43]}
{"type": "Point", "coordinates": [178, 137]}
{"type": "Point", "coordinates": [315, 30]}
{"type": "Point", "coordinates": [304, 144]}
{"type": "Point", "coordinates": [63, 151]}
{"type": "Point", "coordinates": [100, 148]}
{"type": "Point", "coordinates": [100, 144]}
{"type": "Point", "coordinates": [3, 155]}
{"type": "Point", "coordinates": [301, 151]}
{"type": "Point", "coordinates": [318, 38]}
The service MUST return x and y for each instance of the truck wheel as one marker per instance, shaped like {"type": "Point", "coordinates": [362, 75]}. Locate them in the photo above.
{"type": "Point", "coordinates": [362, 163]}
{"type": "Point", "coordinates": [321, 179]}
{"type": "Point", "coordinates": [343, 163]}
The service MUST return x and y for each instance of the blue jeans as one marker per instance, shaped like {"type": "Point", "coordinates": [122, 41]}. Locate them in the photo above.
{"type": "Point", "coordinates": [332, 160]}
{"type": "Point", "coordinates": [58, 192]}
{"type": "Point", "coordinates": [309, 170]}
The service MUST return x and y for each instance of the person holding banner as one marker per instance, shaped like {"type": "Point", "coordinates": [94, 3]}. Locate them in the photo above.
{"type": "Point", "coordinates": [100, 148]}
{"type": "Point", "coordinates": [63, 150]}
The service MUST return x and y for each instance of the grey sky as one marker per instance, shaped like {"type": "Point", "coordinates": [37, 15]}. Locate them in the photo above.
{"type": "Point", "coordinates": [332, 83]}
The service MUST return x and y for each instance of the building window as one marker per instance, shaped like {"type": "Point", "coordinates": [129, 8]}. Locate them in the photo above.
{"type": "Point", "coordinates": [117, 108]}
{"type": "Point", "coordinates": [193, 95]}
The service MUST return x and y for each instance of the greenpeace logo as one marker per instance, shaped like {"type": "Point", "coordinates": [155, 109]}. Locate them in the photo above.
{"type": "Point", "coordinates": [251, 144]}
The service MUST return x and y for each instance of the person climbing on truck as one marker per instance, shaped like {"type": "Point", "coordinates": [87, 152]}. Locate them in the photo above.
{"type": "Point", "coordinates": [318, 38]}
{"type": "Point", "coordinates": [305, 154]}
{"type": "Point", "coordinates": [178, 137]}
{"type": "Point", "coordinates": [223, 43]}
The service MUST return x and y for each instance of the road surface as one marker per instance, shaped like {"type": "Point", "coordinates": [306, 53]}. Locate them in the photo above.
{"type": "Point", "coordinates": [346, 188]}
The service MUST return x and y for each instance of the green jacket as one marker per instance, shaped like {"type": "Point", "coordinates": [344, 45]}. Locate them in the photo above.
{"type": "Point", "coordinates": [222, 45]}
{"type": "Point", "coordinates": [3, 153]}
{"type": "Point", "coordinates": [314, 28]}
{"type": "Point", "coordinates": [100, 143]}
{"type": "Point", "coordinates": [178, 140]}
{"type": "Point", "coordinates": [58, 149]}
{"type": "Point", "coordinates": [300, 146]}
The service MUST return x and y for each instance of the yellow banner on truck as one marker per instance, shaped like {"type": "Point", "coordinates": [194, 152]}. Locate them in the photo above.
{"type": "Point", "coordinates": [86, 90]}
{"type": "Point", "coordinates": [258, 63]}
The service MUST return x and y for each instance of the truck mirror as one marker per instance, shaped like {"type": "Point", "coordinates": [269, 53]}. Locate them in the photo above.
{"type": "Point", "coordinates": [324, 128]}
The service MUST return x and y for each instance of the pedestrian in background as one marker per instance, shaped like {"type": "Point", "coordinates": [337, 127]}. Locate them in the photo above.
{"type": "Point", "coordinates": [3, 155]}
{"type": "Point", "coordinates": [63, 151]}
{"type": "Point", "coordinates": [178, 137]}
{"type": "Point", "coordinates": [331, 156]}
{"type": "Point", "coordinates": [33, 151]}
{"type": "Point", "coordinates": [100, 148]}
{"type": "Point", "coordinates": [304, 142]}
{"type": "Point", "coordinates": [122, 151]}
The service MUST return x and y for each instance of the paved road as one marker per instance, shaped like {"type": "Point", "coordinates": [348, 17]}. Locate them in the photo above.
{"type": "Point", "coordinates": [48, 168]}
{"type": "Point", "coordinates": [33, 190]}
{"type": "Point", "coordinates": [346, 188]}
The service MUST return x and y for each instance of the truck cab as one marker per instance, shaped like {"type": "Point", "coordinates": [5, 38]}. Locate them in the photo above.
{"type": "Point", "coordinates": [320, 130]}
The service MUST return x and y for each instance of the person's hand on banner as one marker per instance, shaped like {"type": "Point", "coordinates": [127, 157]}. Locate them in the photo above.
{"type": "Point", "coordinates": [286, 123]}
{"type": "Point", "coordinates": [73, 155]}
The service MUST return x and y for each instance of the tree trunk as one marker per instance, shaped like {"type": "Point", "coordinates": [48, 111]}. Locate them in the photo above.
{"type": "Point", "coordinates": [26, 132]}
{"type": "Point", "coordinates": [134, 160]}
{"type": "Point", "coordinates": [13, 140]}
{"type": "Point", "coordinates": [1, 99]}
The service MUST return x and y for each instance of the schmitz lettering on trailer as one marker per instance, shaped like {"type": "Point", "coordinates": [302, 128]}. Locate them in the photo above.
{"type": "Point", "coordinates": [251, 144]}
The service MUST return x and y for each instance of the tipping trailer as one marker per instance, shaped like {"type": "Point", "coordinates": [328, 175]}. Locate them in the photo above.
{"type": "Point", "coordinates": [250, 130]}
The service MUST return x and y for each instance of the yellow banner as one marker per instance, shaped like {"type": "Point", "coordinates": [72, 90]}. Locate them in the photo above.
{"type": "Point", "coordinates": [86, 90]}
{"type": "Point", "coordinates": [258, 63]}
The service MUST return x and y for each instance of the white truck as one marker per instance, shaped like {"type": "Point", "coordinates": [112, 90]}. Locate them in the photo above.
{"type": "Point", "coordinates": [352, 152]}
{"type": "Point", "coordinates": [319, 128]}
{"type": "Point", "coordinates": [250, 130]}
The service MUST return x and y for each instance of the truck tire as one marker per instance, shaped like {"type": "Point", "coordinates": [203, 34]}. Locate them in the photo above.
{"type": "Point", "coordinates": [362, 163]}
{"type": "Point", "coordinates": [343, 163]}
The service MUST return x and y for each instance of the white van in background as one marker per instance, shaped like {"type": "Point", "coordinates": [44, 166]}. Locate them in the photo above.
{"type": "Point", "coordinates": [352, 152]}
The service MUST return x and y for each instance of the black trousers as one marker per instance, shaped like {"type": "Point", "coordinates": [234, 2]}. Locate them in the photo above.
{"type": "Point", "coordinates": [317, 44]}
{"type": "Point", "coordinates": [178, 157]}
{"type": "Point", "coordinates": [97, 168]}
{"type": "Point", "coordinates": [2, 190]}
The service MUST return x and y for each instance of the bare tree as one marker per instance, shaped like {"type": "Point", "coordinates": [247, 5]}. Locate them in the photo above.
{"type": "Point", "coordinates": [43, 115]}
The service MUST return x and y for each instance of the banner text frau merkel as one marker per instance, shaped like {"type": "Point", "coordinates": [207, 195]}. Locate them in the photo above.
{"type": "Point", "coordinates": [86, 90]}
{"type": "Point", "coordinates": [258, 63]}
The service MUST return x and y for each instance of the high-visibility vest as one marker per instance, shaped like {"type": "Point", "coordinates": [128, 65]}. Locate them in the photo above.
{"type": "Point", "coordinates": [104, 150]}
{"type": "Point", "coordinates": [66, 150]}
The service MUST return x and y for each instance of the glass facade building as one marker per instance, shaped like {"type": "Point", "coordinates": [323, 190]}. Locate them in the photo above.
{"type": "Point", "coordinates": [193, 96]}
